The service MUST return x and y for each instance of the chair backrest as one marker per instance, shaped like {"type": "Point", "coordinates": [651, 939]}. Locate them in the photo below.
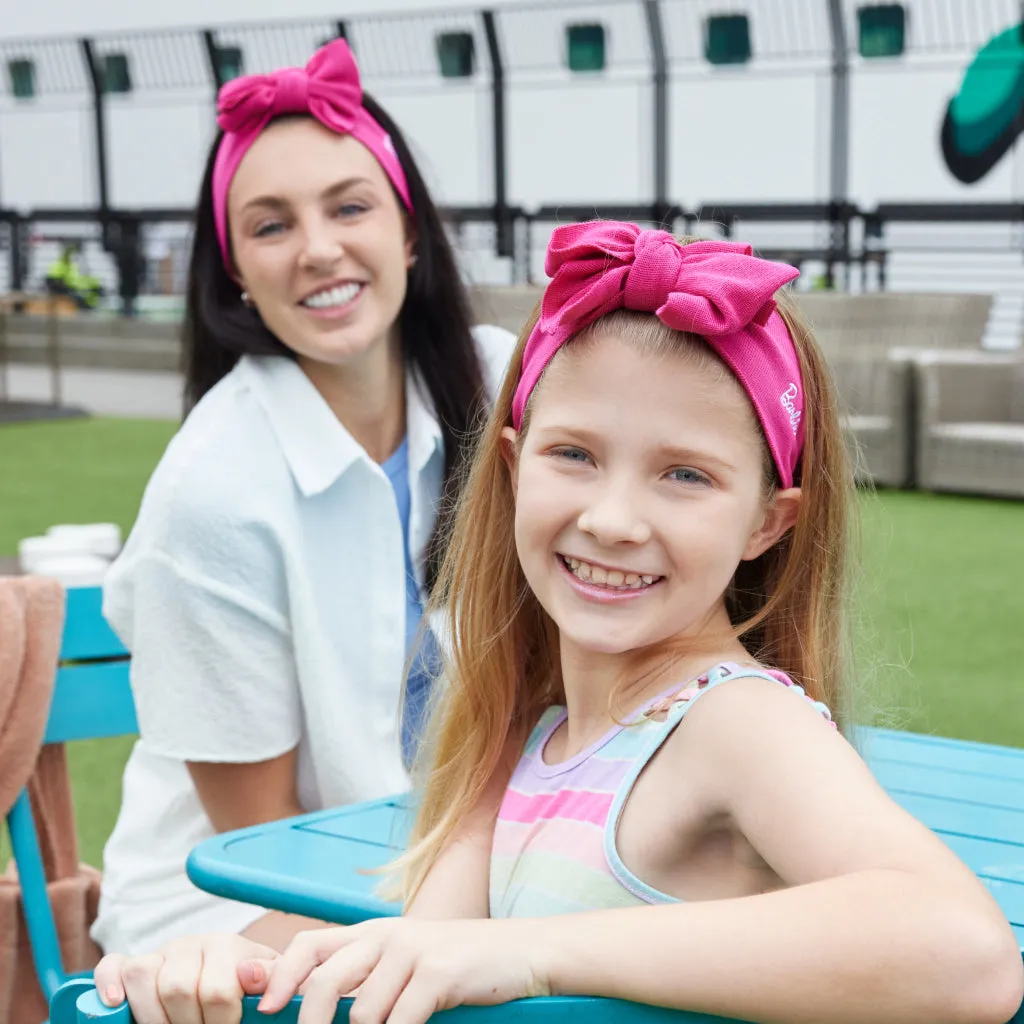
{"type": "Point", "coordinates": [975, 390]}
{"type": "Point", "coordinates": [91, 699]}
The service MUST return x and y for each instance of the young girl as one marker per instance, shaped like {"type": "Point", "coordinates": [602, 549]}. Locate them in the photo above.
{"type": "Point", "coordinates": [646, 586]}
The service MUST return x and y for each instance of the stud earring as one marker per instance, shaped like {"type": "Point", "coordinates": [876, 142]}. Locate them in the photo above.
{"type": "Point", "coordinates": [413, 260]}
{"type": "Point", "coordinates": [245, 299]}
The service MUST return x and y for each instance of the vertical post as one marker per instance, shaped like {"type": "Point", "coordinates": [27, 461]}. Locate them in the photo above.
{"type": "Point", "coordinates": [839, 149]}
{"type": "Point", "coordinates": [5, 312]}
{"type": "Point", "coordinates": [213, 62]}
{"type": "Point", "coordinates": [53, 352]}
{"type": "Point", "coordinates": [659, 81]}
{"type": "Point", "coordinates": [504, 242]}
{"type": "Point", "coordinates": [95, 75]}
{"type": "Point", "coordinates": [19, 247]}
{"type": "Point", "coordinates": [341, 31]}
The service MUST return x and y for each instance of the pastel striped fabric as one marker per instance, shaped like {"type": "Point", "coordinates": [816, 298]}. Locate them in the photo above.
{"type": "Point", "coordinates": [554, 842]}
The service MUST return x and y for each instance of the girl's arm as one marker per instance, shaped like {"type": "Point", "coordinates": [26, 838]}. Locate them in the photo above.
{"type": "Point", "coordinates": [458, 883]}
{"type": "Point", "coordinates": [882, 923]}
{"type": "Point", "coordinates": [456, 889]}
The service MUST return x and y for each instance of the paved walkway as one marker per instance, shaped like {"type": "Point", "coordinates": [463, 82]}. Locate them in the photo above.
{"type": "Point", "coordinates": [126, 393]}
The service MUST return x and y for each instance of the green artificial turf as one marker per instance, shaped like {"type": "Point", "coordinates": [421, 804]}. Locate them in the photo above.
{"type": "Point", "coordinates": [74, 471]}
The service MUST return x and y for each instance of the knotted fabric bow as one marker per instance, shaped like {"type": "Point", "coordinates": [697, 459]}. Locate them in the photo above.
{"type": "Point", "coordinates": [327, 88]}
{"type": "Point", "coordinates": [718, 290]}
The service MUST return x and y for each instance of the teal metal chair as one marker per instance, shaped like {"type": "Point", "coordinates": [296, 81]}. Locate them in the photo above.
{"type": "Point", "coordinates": [78, 1003]}
{"type": "Point", "coordinates": [92, 699]}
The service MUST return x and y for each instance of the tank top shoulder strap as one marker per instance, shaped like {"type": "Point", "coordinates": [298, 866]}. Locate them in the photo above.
{"type": "Point", "coordinates": [655, 732]}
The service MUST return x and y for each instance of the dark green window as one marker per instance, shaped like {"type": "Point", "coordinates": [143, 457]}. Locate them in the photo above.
{"type": "Point", "coordinates": [455, 54]}
{"type": "Point", "coordinates": [727, 39]}
{"type": "Point", "coordinates": [882, 30]}
{"type": "Point", "coordinates": [229, 63]}
{"type": "Point", "coordinates": [585, 47]}
{"type": "Point", "coordinates": [23, 78]}
{"type": "Point", "coordinates": [116, 75]}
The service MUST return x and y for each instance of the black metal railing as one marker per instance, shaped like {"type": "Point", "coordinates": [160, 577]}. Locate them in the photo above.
{"type": "Point", "coordinates": [849, 240]}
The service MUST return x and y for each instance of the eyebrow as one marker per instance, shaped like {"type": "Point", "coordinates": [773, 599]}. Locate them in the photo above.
{"type": "Point", "coordinates": [676, 454]}
{"type": "Point", "coordinates": [332, 191]}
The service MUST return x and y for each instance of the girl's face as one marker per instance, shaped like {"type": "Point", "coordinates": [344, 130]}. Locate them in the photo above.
{"type": "Point", "coordinates": [639, 488]}
{"type": "Point", "coordinates": [319, 241]}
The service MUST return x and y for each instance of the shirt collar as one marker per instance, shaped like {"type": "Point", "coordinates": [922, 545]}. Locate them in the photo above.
{"type": "Point", "coordinates": [316, 446]}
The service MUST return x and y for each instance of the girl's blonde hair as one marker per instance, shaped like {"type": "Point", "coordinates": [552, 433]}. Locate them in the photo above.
{"type": "Point", "coordinates": [503, 668]}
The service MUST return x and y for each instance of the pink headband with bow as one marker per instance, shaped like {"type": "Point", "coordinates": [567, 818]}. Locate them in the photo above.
{"type": "Point", "coordinates": [718, 290]}
{"type": "Point", "coordinates": [327, 88]}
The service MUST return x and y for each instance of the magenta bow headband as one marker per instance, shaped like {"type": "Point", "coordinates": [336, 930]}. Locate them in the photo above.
{"type": "Point", "coordinates": [718, 290]}
{"type": "Point", "coordinates": [327, 88]}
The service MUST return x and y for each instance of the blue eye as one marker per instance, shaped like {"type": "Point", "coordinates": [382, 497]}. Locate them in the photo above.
{"type": "Point", "coordinates": [688, 476]}
{"type": "Point", "coordinates": [351, 209]}
{"type": "Point", "coordinates": [572, 454]}
{"type": "Point", "coordinates": [269, 228]}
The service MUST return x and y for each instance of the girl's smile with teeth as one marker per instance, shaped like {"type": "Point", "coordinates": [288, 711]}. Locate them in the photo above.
{"type": "Point", "coordinates": [613, 579]}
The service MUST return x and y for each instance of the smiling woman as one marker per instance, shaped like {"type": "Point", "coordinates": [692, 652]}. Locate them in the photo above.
{"type": "Point", "coordinates": [272, 589]}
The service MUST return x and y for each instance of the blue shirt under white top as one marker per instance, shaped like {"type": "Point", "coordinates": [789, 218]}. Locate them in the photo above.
{"type": "Point", "coordinates": [421, 650]}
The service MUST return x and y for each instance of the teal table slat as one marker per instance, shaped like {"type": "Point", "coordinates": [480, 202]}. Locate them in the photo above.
{"type": "Point", "coordinates": [949, 784]}
{"type": "Point", "coordinates": [964, 757]}
{"type": "Point", "coordinates": [965, 818]}
{"type": "Point", "coordinates": [970, 794]}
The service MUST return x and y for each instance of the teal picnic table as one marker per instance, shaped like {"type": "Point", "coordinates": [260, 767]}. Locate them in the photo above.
{"type": "Point", "coordinates": [323, 865]}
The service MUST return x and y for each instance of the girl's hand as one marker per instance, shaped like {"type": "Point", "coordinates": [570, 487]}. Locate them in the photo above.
{"type": "Point", "coordinates": [405, 969]}
{"type": "Point", "coordinates": [194, 980]}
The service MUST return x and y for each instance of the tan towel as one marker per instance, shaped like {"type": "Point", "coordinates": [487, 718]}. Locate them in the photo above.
{"type": "Point", "coordinates": [31, 624]}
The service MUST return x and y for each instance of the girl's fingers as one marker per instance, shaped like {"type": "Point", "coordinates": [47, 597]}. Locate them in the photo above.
{"type": "Point", "coordinates": [220, 987]}
{"type": "Point", "coordinates": [177, 983]}
{"type": "Point", "coordinates": [337, 977]}
{"type": "Point", "coordinates": [418, 1000]}
{"type": "Point", "coordinates": [304, 954]}
{"type": "Point", "coordinates": [381, 990]}
{"type": "Point", "coordinates": [253, 976]}
{"type": "Point", "coordinates": [107, 977]}
{"type": "Point", "coordinates": [138, 975]}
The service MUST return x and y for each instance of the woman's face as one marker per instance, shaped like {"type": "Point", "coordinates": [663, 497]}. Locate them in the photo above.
{"type": "Point", "coordinates": [319, 241]}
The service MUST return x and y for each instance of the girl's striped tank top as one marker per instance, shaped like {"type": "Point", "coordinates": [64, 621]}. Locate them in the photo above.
{"type": "Point", "coordinates": [554, 849]}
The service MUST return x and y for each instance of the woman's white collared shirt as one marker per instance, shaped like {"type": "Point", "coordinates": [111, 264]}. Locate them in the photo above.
{"type": "Point", "coordinates": [262, 595]}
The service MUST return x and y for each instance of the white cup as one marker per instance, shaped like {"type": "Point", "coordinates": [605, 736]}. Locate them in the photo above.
{"type": "Point", "coordinates": [72, 570]}
{"type": "Point", "coordinates": [103, 539]}
{"type": "Point", "coordinates": [32, 551]}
